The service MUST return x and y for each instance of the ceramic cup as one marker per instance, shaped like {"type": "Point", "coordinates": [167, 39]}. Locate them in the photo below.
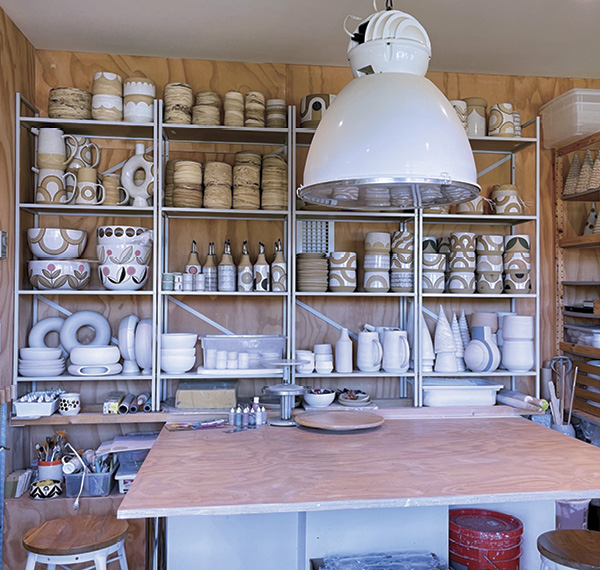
{"type": "Point", "coordinates": [115, 195]}
{"type": "Point", "coordinates": [517, 282]}
{"type": "Point", "coordinates": [430, 244]}
{"type": "Point", "coordinates": [461, 282]}
{"type": "Point", "coordinates": [375, 261]}
{"type": "Point", "coordinates": [52, 186]}
{"type": "Point", "coordinates": [403, 261]}
{"type": "Point", "coordinates": [433, 282]}
{"type": "Point", "coordinates": [434, 262]}
{"type": "Point", "coordinates": [518, 355]}
{"type": "Point", "coordinates": [475, 206]}
{"type": "Point", "coordinates": [69, 404]}
{"type": "Point", "coordinates": [461, 111]}
{"type": "Point", "coordinates": [377, 281]}
{"type": "Point", "coordinates": [402, 281]}
{"type": "Point", "coordinates": [514, 243]}
{"type": "Point", "coordinates": [342, 260]}
{"type": "Point", "coordinates": [378, 241]}
{"type": "Point", "coordinates": [402, 241]}
{"type": "Point", "coordinates": [463, 241]}
{"type": "Point", "coordinates": [462, 261]}
{"type": "Point", "coordinates": [489, 264]}
{"type": "Point", "coordinates": [88, 191]}
{"type": "Point", "coordinates": [507, 201]}
{"type": "Point", "coordinates": [476, 108]}
{"type": "Point", "coordinates": [501, 120]}
{"type": "Point", "coordinates": [517, 261]}
{"type": "Point", "coordinates": [518, 327]}
{"type": "Point", "coordinates": [138, 100]}
{"type": "Point", "coordinates": [488, 244]}
{"type": "Point", "coordinates": [342, 280]}
{"type": "Point", "coordinates": [489, 283]}
{"type": "Point", "coordinates": [51, 470]}
{"type": "Point", "coordinates": [307, 361]}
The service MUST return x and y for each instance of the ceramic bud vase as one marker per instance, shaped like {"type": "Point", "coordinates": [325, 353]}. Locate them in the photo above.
{"type": "Point", "coordinates": [193, 265]}
{"type": "Point", "coordinates": [210, 269]}
{"type": "Point", "coordinates": [226, 272]}
{"type": "Point", "coordinates": [245, 271]}
{"type": "Point", "coordinates": [343, 353]}
{"type": "Point", "coordinates": [261, 270]}
{"type": "Point", "coordinates": [278, 269]}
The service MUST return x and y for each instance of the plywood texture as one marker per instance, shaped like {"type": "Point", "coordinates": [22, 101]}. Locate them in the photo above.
{"type": "Point", "coordinates": [25, 513]}
{"type": "Point", "coordinates": [403, 462]}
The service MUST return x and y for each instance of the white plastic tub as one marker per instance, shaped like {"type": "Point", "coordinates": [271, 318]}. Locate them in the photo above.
{"type": "Point", "coordinates": [570, 117]}
{"type": "Point", "coordinates": [459, 392]}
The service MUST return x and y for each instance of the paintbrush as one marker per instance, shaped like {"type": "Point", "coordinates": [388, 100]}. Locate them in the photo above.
{"type": "Point", "coordinates": [572, 395]}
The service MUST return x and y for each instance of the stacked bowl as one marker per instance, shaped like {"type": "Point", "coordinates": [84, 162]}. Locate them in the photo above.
{"type": "Point", "coordinates": [517, 264]}
{"type": "Point", "coordinates": [57, 266]}
{"type": "Point", "coordinates": [312, 272]}
{"type": "Point", "coordinates": [403, 261]}
{"type": "Point", "coordinates": [518, 352]}
{"type": "Point", "coordinates": [342, 271]}
{"type": "Point", "coordinates": [462, 262]}
{"type": "Point", "coordinates": [124, 253]}
{"type": "Point", "coordinates": [95, 360]}
{"type": "Point", "coordinates": [41, 362]}
{"type": "Point", "coordinates": [377, 262]}
{"type": "Point", "coordinates": [178, 352]}
{"type": "Point", "coordinates": [489, 263]}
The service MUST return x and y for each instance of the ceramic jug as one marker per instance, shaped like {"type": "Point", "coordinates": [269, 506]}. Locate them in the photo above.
{"type": "Point", "coordinates": [396, 351]}
{"type": "Point", "coordinates": [370, 352]}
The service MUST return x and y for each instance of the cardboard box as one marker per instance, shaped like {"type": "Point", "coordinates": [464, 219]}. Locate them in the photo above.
{"type": "Point", "coordinates": [202, 395]}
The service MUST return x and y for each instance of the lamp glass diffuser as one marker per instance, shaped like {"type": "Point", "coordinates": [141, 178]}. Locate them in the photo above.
{"type": "Point", "coordinates": [390, 140]}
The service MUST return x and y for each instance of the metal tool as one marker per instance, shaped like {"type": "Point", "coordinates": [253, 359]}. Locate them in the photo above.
{"type": "Point", "coordinates": [561, 365]}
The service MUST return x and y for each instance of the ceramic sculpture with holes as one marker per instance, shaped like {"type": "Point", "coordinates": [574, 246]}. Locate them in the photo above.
{"type": "Point", "coordinates": [140, 192]}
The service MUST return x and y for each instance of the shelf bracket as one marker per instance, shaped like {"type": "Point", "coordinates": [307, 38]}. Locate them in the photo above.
{"type": "Point", "coordinates": [494, 166]}
{"type": "Point", "coordinates": [200, 315]}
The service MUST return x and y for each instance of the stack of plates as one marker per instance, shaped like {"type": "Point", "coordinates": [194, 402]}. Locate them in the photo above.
{"type": "Point", "coordinates": [312, 272]}
{"type": "Point", "coordinates": [362, 399]}
{"type": "Point", "coordinates": [41, 362]}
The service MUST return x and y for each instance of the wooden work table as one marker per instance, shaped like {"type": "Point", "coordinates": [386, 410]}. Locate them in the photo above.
{"type": "Point", "coordinates": [404, 463]}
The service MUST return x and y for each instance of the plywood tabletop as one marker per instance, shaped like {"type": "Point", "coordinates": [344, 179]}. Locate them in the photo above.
{"type": "Point", "coordinates": [401, 463]}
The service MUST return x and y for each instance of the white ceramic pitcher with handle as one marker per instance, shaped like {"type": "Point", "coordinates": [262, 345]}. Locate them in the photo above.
{"type": "Point", "coordinates": [370, 352]}
{"type": "Point", "coordinates": [396, 351]}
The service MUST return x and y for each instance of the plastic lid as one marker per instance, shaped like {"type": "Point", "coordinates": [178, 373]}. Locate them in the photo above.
{"type": "Point", "coordinates": [481, 522]}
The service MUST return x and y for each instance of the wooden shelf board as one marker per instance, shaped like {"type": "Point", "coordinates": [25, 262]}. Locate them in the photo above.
{"type": "Point", "coordinates": [581, 315]}
{"type": "Point", "coordinates": [582, 283]}
{"type": "Point", "coordinates": [222, 134]}
{"type": "Point", "coordinates": [592, 195]}
{"type": "Point", "coordinates": [586, 142]}
{"type": "Point", "coordinates": [580, 349]}
{"type": "Point", "coordinates": [77, 210]}
{"type": "Point", "coordinates": [580, 242]}
{"type": "Point", "coordinates": [483, 219]}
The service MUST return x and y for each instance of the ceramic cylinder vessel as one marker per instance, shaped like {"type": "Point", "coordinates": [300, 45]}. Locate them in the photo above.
{"type": "Point", "coordinates": [476, 124]}
{"type": "Point", "coordinates": [501, 120]}
{"type": "Point", "coordinates": [138, 100]}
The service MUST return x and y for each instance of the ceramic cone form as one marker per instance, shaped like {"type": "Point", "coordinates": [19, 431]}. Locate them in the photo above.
{"type": "Point", "coordinates": [464, 329]}
{"type": "Point", "coordinates": [427, 353]}
{"type": "Point", "coordinates": [571, 180]}
{"type": "Point", "coordinates": [458, 342]}
{"type": "Point", "coordinates": [410, 324]}
{"type": "Point", "coordinates": [444, 339]}
{"type": "Point", "coordinates": [595, 177]}
{"type": "Point", "coordinates": [583, 180]}
{"type": "Point", "coordinates": [446, 362]}
{"type": "Point", "coordinates": [591, 221]}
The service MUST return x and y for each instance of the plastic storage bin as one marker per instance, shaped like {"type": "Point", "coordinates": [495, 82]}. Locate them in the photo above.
{"type": "Point", "coordinates": [257, 346]}
{"type": "Point", "coordinates": [94, 485]}
{"type": "Point", "coordinates": [459, 391]}
{"type": "Point", "coordinates": [570, 117]}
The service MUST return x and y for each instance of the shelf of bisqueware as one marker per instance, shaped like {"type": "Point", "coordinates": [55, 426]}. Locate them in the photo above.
{"type": "Point", "coordinates": [74, 378]}
{"type": "Point", "coordinates": [77, 210]}
{"type": "Point", "coordinates": [94, 129]}
{"type": "Point", "coordinates": [227, 135]}
{"type": "Point", "coordinates": [592, 195]}
{"type": "Point", "coordinates": [467, 374]}
{"type": "Point", "coordinates": [69, 292]}
{"type": "Point", "coordinates": [580, 315]}
{"type": "Point", "coordinates": [481, 219]}
{"type": "Point", "coordinates": [592, 240]}
{"type": "Point", "coordinates": [222, 375]}
{"type": "Point", "coordinates": [483, 144]}
{"type": "Point", "coordinates": [351, 216]}
{"type": "Point", "coordinates": [359, 374]}
{"type": "Point", "coordinates": [351, 294]}
{"type": "Point", "coordinates": [475, 296]}
{"type": "Point", "coordinates": [582, 350]}
{"type": "Point", "coordinates": [229, 214]}
{"type": "Point", "coordinates": [225, 293]}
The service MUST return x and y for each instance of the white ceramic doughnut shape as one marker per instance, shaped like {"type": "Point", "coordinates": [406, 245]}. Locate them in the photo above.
{"type": "Point", "coordinates": [68, 332]}
{"type": "Point", "coordinates": [37, 334]}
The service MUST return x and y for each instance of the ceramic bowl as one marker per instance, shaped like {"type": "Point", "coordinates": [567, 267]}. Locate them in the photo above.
{"type": "Point", "coordinates": [58, 274]}
{"type": "Point", "coordinates": [124, 234]}
{"type": "Point", "coordinates": [56, 243]}
{"type": "Point", "coordinates": [178, 340]}
{"type": "Point", "coordinates": [176, 363]}
{"type": "Point", "coordinates": [128, 277]}
{"type": "Point", "coordinates": [86, 355]}
{"type": "Point", "coordinates": [320, 400]}
{"type": "Point", "coordinates": [122, 253]}
{"type": "Point", "coordinates": [38, 353]}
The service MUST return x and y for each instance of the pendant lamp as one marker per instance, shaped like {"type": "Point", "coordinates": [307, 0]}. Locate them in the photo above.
{"type": "Point", "coordinates": [390, 140]}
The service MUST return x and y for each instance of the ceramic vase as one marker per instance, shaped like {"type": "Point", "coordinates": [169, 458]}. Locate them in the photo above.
{"type": "Point", "coordinates": [343, 353]}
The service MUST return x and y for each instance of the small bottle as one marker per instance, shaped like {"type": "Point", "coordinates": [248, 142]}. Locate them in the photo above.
{"type": "Point", "coordinates": [261, 270]}
{"type": "Point", "coordinates": [226, 270]}
{"type": "Point", "coordinates": [252, 419]}
{"type": "Point", "coordinates": [245, 414]}
{"type": "Point", "coordinates": [232, 417]}
{"type": "Point", "coordinates": [263, 415]}
{"type": "Point", "coordinates": [255, 404]}
{"type": "Point", "coordinates": [210, 269]}
{"type": "Point", "coordinates": [238, 416]}
{"type": "Point", "coordinates": [245, 270]}
{"type": "Point", "coordinates": [278, 269]}
{"type": "Point", "coordinates": [193, 263]}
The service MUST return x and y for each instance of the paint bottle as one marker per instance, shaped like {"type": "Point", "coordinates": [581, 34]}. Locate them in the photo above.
{"type": "Point", "coordinates": [232, 417]}
{"type": "Point", "coordinates": [238, 417]}
{"type": "Point", "coordinates": [245, 414]}
{"type": "Point", "coordinates": [193, 263]}
{"type": "Point", "coordinates": [263, 415]}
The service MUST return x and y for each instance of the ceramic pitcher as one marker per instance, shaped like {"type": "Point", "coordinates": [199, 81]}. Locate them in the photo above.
{"type": "Point", "coordinates": [370, 352]}
{"type": "Point", "coordinates": [396, 351]}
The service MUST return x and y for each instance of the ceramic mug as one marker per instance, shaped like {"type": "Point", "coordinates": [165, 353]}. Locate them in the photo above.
{"type": "Point", "coordinates": [113, 190]}
{"type": "Point", "coordinates": [52, 150]}
{"type": "Point", "coordinates": [463, 241]}
{"type": "Point", "coordinates": [396, 351]}
{"type": "Point", "coordinates": [489, 283]}
{"type": "Point", "coordinates": [501, 120]}
{"type": "Point", "coordinates": [370, 352]}
{"type": "Point", "coordinates": [462, 261]}
{"type": "Point", "coordinates": [88, 191]}
{"type": "Point", "coordinates": [52, 186]}
{"type": "Point", "coordinates": [83, 153]}
{"type": "Point", "coordinates": [461, 282]}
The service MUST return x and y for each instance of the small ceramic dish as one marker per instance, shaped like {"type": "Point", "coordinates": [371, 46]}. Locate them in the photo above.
{"type": "Point", "coordinates": [39, 353]}
{"type": "Point", "coordinates": [320, 399]}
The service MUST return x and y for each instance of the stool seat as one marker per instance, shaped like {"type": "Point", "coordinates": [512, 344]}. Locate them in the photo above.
{"type": "Point", "coordinates": [579, 549]}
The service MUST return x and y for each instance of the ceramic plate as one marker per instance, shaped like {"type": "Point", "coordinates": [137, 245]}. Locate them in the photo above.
{"type": "Point", "coordinates": [143, 345]}
{"type": "Point", "coordinates": [354, 403]}
{"type": "Point", "coordinates": [127, 336]}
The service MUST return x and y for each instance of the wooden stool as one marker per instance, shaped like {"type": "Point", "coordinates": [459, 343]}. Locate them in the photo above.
{"type": "Point", "coordinates": [77, 539]}
{"type": "Point", "coordinates": [579, 549]}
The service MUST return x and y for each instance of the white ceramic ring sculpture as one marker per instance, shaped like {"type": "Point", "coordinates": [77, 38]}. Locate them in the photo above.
{"type": "Point", "coordinates": [68, 333]}
{"type": "Point", "coordinates": [37, 334]}
{"type": "Point", "coordinates": [140, 193]}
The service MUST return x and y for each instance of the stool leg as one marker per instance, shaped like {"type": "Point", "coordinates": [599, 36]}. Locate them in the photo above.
{"type": "Point", "coordinates": [31, 560]}
{"type": "Point", "coordinates": [51, 567]}
{"type": "Point", "coordinates": [100, 561]}
{"type": "Point", "coordinates": [122, 557]}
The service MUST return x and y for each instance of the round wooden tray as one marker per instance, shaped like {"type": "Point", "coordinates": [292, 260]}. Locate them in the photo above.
{"type": "Point", "coordinates": [339, 421]}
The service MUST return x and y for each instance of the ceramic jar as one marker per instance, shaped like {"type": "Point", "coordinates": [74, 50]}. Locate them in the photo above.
{"type": "Point", "coordinates": [476, 108]}
{"type": "Point", "coordinates": [501, 120]}
{"type": "Point", "coordinates": [138, 100]}
{"type": "Point", "coordinates": [107, 97]}
{"type": "Point", "coordinates": [461, 111]}
{"type": "Point", "coordinates": [507, 201]}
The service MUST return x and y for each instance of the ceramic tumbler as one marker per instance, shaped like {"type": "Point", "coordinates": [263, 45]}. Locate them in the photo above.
{"type": "Point", "coordinates": [402, 241]}
{"type": "Point", "coordinates": [517, 282]}
{"type": "Point", "coordinates": [114, 191]}
{"type": "Point", "coordinates": [473, 207]}
{"type": "Point", "coordinates": [461, 111]}
{"type": "Point", "coordinates": [501, 120]}
{"type": "Point", "coordinates": [506, 200]}
{"type": "Point", "coordinates": [490, 244]}
{"type": "Point", "coordinates": [462, 261]}
{"type": "Point", "coordinates": [433, 282]}
{"type": "Point", "coordinates": [517, 242]}
{"type": "Point", "coordinates": [476, 108]}
{"type": "Point", "coordinates": [430, 244]}
{"type": "Point", "coordinates": [461, 282]}
{"type": "Point", "coordinates": [490, 283]}
{"type": "Point", "coordinates": [138, 100]}
{"type": "Point", "coordinates": [434, 262]}
{"type": "Point", "coordinates": [463, 241]}
{"type": "Point", "coordinates": [377, 281]}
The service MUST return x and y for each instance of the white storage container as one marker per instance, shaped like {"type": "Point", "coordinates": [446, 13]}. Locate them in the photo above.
{"type": "Point", "coordinates": [257, 346]}
{"type": "Point", "coordinates": [459, 392]}
{"type": "Point", "coordinates": [570, 117]}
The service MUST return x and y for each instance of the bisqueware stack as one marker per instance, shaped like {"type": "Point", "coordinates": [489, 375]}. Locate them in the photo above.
{"type": "Point", "coordinates": [501, 120]}
{"type": "Point", "coordinates": [402, 277]}
{"type": "Point", "coordinates": [342, 271]}
{"type": "Point", "coordinates": [276, 114]}
{"type": "Point", "coordinates": [187, 184]}
{"type": "Point", "coordinates": [217, 185]}
{"type": "Point", "coordinates": [376, 262]}
{"type": "Point", "coordinates": [434, 272]}
{"type": "Point", "coordinates": [489, 263]}
{"type": "Point", "coordinates": [461, 111]}
{"type": "Point", "coordinates": [311, 269]}
{"type": "Point", "coordinates": [124, 253]}
{"type": "Point", "coordinates": [507, 201]}
{"type": "Point", "coordinates": [476, 109]}
{"type": "Point", "coordinates": [207, 109]}
{"type": "Point", "coordinates": [462, 262]}
{"type": "Point", "coordinates": [41, 361]}
{"type": "Point", "coordinates": [255, 109]}
{"type": "Point", "coordinates": [138, 100]}
{"type": "Point", "coordinates": [178, 352]}
{"type": "Point", "coordinates": [274, 182]}
{"type": "Point", "coordinates": [69, 103]}
{"type": "Point", "coordinates": [517, 264]}
{"type": "Point", "coordinates": [179, 99]}
{"type": "Point", "coordinates": [518, 353]}
{"type": "Point", "coordinates": [246, 180]}
{"type": "Point", "coordinates": [107, 97]}
{"type": "Point", "coordinates": [233, 107]}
